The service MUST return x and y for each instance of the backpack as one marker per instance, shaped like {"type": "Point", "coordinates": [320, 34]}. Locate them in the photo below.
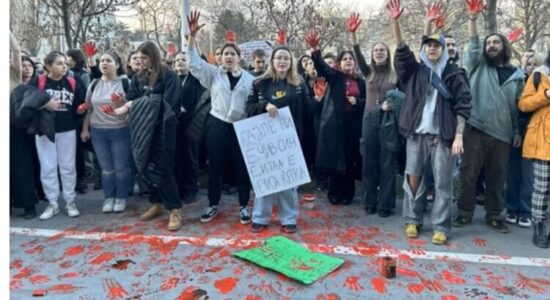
{"type": "Point", "coordinates": [125, 84]}
{"type": "Point", "coordinates": [42, 82]}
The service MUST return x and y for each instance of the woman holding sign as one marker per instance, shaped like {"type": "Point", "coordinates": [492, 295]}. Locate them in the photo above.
{"type": "Point", "coordinates": [340, 126]}
{"type": "Point", "coordinates": [280, 87]}
{"type": "Point", "coordinates": [230, 87]}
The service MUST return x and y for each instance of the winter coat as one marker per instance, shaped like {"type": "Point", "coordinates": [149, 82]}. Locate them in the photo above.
{"type": "Point", "coordinates": [494, 106]}
{"type": "Point", "coordinates": [331, 154]}
{"type": "Point", "coordinates": [389, 122]}
{"type": "Point", "coordinates": [25, 113]}
{"type": "Point", "coordinates": [416, 80]}
{"type": "Point", "coordinates": [537, 139]}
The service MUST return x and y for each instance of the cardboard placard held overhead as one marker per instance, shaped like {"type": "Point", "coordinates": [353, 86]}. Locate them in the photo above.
{"type": "Point", "coordinates": [272, 152]}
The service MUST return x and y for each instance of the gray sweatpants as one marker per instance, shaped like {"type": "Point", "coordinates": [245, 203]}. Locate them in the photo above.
{"type": "Point", "coordinates": [420, 149]}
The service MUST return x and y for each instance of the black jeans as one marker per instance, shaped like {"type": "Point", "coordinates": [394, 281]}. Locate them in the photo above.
{"type": "Point", "coordinates": [167, 191]}
{"type": "Point", "coordinates": [224, 151]}
{"type": "Point", "coordinates": [186, 162]}
{"type": "Point", "coordinates": [379, 167]}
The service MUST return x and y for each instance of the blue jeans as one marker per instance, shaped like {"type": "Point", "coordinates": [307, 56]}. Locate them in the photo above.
{"type": "Point", "coordinates": [113, 150]}
{"type": "Point", "coordinates": [519, 184]}
{"type": "Point", "coordinates": [286, 200]}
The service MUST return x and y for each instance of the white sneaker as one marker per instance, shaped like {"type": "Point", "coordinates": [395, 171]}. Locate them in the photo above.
{"type": "Point", "coordinates": [50, 211]}
{"type": "Point", "coordinates": [525, 222]}
{"type": "Point", "coordinates": [72, 211]}
{"type": "Point", "coordinates": [108, 205]}
{"type": "Point", "coordinates": [120, 205]}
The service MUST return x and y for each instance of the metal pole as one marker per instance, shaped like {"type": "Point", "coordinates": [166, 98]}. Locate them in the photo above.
{"type": "Point", "coordinates": [184, 25]}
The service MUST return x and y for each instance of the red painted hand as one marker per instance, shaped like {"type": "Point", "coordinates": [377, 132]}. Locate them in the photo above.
{"type": "Point", "coordinates": [82, 108]}
{"type": "Point", "coordinates": [108, 110]}
{"type": "Point", "coordinates": [515, 34]}
{"type": "Point", "coordinates": [475, 6]}
{"type": "Point", "coordinates": [171, 49]}
{"type": "Point", "coordinates": [193, 22]}
{"type": "Point", "coordinates": [312, 39]}
{"type": "Point", "coordinates": [281, 37]}
{"type": "Point", "coordinates": [90, 48]}
{"type": "Point", "coordinates": [395, 9]}
{"type": "Point", "coordinates": [319, 87]}
{"type": "Point", "coordinates": [116, 97]}
{"type": "Point", "coordinates": [353, 22]}
{"type": "Point", "coordinates": [230, 37]}
{"type": "Point", "coordinates": [440, 21]}
{"type": "Point", "coordinates": [434, 11]}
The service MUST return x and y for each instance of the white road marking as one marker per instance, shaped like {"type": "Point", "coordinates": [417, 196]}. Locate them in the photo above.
{"type": "Point", "coordinates": [327, 249]}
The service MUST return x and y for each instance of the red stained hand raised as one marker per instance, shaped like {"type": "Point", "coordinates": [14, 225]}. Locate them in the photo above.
{"type": "Point", "coordinates": [312, 39]}
{"type": "Point", "coordinates": [434, 12]}
{"type": "Point", "coordinates": [281, 37]}
{"type": "Point", "coordinates": [475, 6]}
{"type": "Point", "coordinates": [353, 22]}
{"type": "Point", "coordinates": [171, 49]}
{"type": "Point", "coordinates": [230, 37]}
{"type": "Point", "coordinates": [193, 22]}
{"type": "Point", "coordinates": [515, 34]}
{"type": "Point", "coordinates": [90, 48]}
{"type": "Point", "coordinates": [395, 9]}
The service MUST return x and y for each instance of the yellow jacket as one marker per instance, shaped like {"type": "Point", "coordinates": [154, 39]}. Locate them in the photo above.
{"type": "Point", "coordinates": [537, 138]}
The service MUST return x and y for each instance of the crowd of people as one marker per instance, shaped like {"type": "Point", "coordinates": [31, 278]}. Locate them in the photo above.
{"type": "Point", "coordinates": [153, 122]}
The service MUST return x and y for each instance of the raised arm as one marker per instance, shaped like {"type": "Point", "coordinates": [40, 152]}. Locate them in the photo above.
{"type": "Point", "coordinates": [322, 68]}
{"type": "Point", "coordinates": [353, 23]}
{"type": "Point", "coordinates": [474, 51]}
{"type": "Point", "coordinates": [200, 69]}
{"type": "Point", "coordinates": [395, 12]}
{"type": "Point", "coordinates": [434, 12]}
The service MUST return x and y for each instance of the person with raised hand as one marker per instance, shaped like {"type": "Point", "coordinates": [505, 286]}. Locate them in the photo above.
{"type": "Point", "coordinates": [340, 128]}
{"type": "Point", "coordinates": [493, 125]}
{"type": "Point", "coordinates": [379, 162]}
{"type": "Point", "coordinates": [230, 87]}
{"type": "Point", "coordinates": [432, 119]}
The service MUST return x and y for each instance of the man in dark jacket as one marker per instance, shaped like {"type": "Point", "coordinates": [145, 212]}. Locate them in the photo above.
{"type": "Point", "coordinates": [437, 104]}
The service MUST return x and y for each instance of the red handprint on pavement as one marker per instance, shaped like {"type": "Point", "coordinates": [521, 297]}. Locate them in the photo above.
{"type": "Point", "coordinates": [353, 284]}
{"type": "Point", "coordinates": [480, 242]}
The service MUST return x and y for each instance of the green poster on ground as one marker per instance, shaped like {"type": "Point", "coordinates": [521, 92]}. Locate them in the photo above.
{"type": "Point", "coordinates": [291, 259]}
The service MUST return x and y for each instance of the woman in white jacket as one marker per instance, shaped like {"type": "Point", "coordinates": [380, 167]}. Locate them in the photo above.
{"type": "Point", "coordinates": [229, 87]}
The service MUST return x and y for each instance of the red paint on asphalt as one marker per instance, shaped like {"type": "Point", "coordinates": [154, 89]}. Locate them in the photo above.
{"type": "Point", "coordinates": [226, 285]}
{"type": "Point", "coordinates": [115, 289]}
{"type": "Point", "coordinates": [330, 296]}
{"type": "Point", "coordinates": [39, 279]}
{"type": "Point", "coordinates": [449, 297]}
{"type": "Point", "coordinates": [62, 289]}
{"type": "Point", "coordinates": [480, 242]}
{"type": "Point", "coordinates": [379, 285]}
{"type": "Point", "coordinates": [102, 258]}
{"type": "Point", "coordinates": [407, 272]}
{"type": "Point", "coordinates": [452, 278]}
{"type": "Point", "coordinates": [35, 250]}
{"type": "Point", "coordinates": [251, 297]}
{"type": "Point", "coordinates": [68, 275]}
{"type": "Point", "coordinates": [169, 284]}
{"type": "Point", "coordinates": [353, 284]}
{"type": "Point", "coordinates": [406, 260]}
{"type": "Point", "coordinates": [25, 272]}
{"type": "Point", "coordinates": [415, 288]}
{"type": "Point", "coordinates": [72, 251]}
{"type": "Point", "coordinates": [539, 286]}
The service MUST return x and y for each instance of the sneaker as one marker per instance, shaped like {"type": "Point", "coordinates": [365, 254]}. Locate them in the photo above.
{"type": "Point", "coordinates": [120, 205]}
{"type": "Point", "coordinates": [498, 225]}
{"type": "Point", "coordinates": [439, 237]}
{"type": "Point", "coordinates": [71, 210]}
{"type": "Point", "coordinates": [511, 218]}
{"type": "Point", "coordinates": [411, 230]}
{"type": "Point", "coordinates": [209, 214]}
{"type": "Point", "coordinates": [256, 227]}
{"type": "Point", "coordinates": [461, 221]}
{"type": "Point", "coordinates": [108, 205]}
{"type": "Point", "coordinates": [292, 228]}
{"type": "Point", "coordinates": [50, 211]}
{"type": "Point", "coordinates": [525, 222]}
{"type": "Point", "coordinates": [245, 215]}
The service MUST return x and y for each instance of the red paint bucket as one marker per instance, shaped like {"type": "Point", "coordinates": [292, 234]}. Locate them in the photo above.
{"type": "Point", "coordinates": [387, 267]}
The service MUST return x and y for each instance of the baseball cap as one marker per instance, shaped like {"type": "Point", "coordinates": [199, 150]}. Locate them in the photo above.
{"type": "Point", "coordinates": [438, 38]}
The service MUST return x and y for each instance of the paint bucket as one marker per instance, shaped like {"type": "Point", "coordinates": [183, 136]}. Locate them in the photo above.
{"type": "Point", "coordinates": [308, 201]}
{"type": "Point", "coordinates": [387, 267]}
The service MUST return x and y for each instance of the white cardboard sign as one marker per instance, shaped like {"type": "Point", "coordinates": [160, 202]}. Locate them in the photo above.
{"type": "Point", "coordinates": [272, 152]}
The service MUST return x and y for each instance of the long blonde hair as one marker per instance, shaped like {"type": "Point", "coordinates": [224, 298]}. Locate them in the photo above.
{"type": "Point", "coordinates": [392, 76]}
{"type": "Point", "coordinates": [292, 76]}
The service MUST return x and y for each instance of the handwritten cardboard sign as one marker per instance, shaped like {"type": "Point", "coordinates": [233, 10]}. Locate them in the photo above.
{"type": "Point", "coordinates": [272, 152]}
{"type": "Point", "coordinates": [249, 47]}
{"type": "Point", "coordinates": [291, 259]}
